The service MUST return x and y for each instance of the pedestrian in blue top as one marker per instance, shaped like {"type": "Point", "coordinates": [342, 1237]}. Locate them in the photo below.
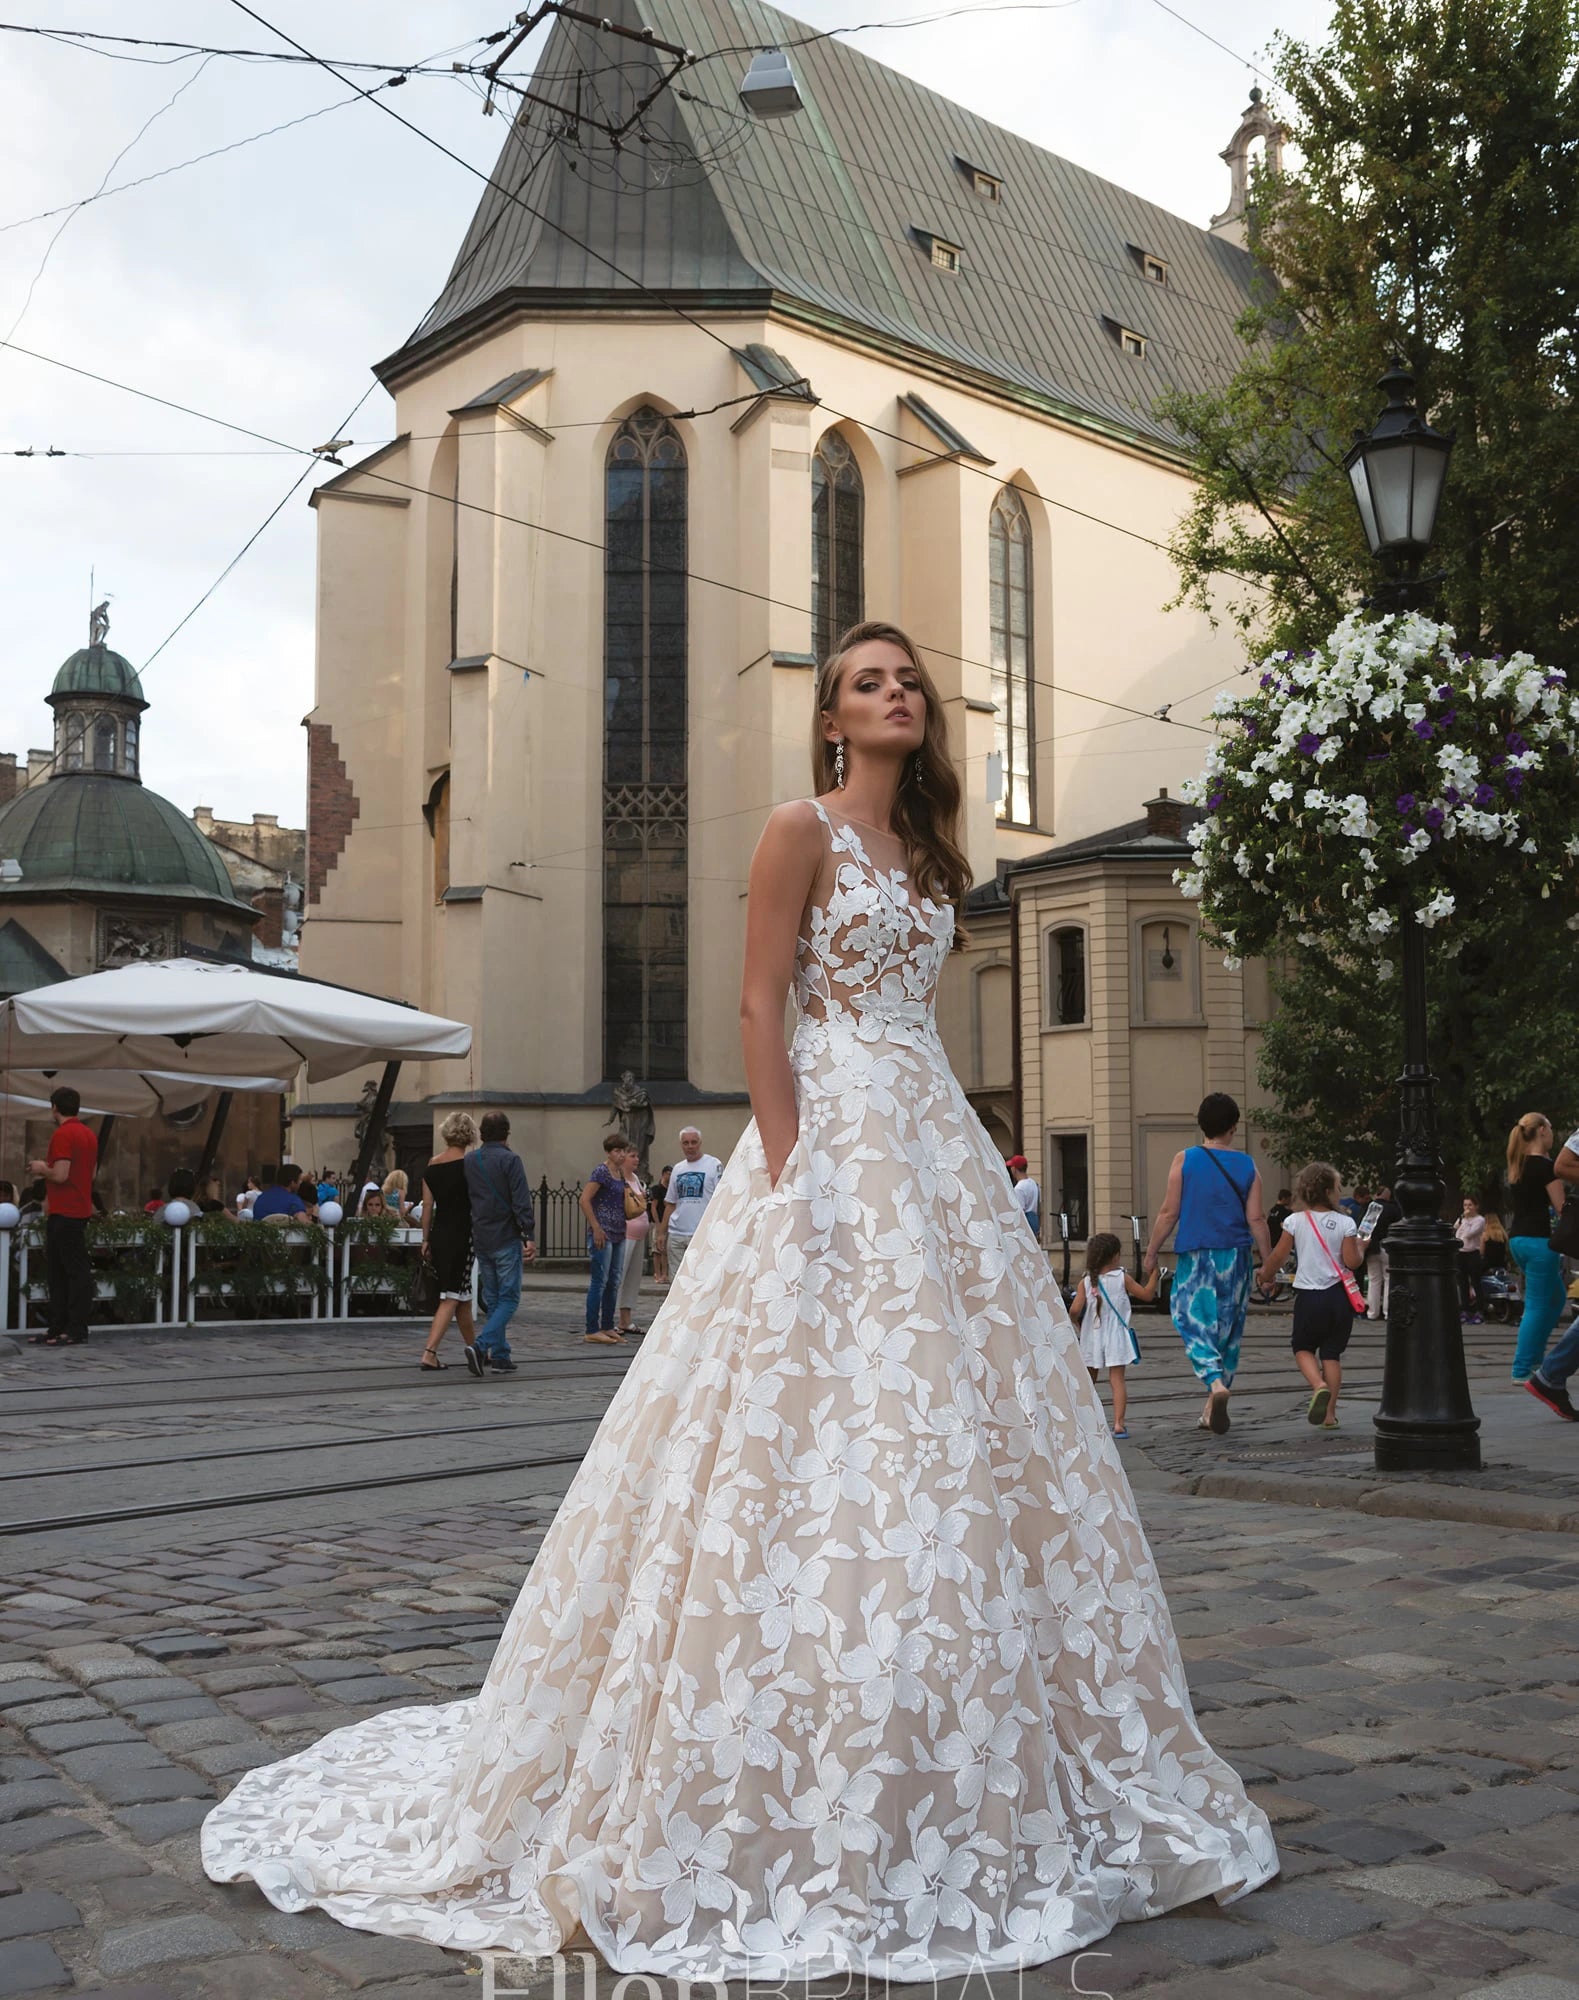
{"type": "Point", "coordinates": [1214, 1195]}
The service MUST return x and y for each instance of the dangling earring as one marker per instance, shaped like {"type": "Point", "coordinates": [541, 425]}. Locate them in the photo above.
{"type": "Point", "coordinates": [915, 772]}
{"type": "Point", "coordinates": [838, 765]}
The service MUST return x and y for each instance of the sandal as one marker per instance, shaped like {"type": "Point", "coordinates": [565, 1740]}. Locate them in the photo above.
{"type": "Point", "coordinates": [430, 1362]}
{"type": "Point", "coordinates": [1217, 1418]}
{"type": "Point", "coordinates": [1121, 1432]}
{"type": "Point", "coordinates": [1316, 1408]}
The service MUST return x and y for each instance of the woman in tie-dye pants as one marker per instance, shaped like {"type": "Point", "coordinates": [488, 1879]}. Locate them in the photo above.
{"type": "Point", "coordinates": [1214, 1197]}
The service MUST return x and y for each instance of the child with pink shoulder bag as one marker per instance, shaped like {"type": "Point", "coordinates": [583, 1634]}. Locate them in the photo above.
{"type": "Point", "coordinates": [1326, 1294]}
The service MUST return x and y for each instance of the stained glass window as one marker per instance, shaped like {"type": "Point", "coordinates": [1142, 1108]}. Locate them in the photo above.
{"type": "Point", "coordinates": [1010, 583]}
{"type": "Point", "coordinates": [644, 752]}
{"type": "Point", "coordinates": [838, 509]}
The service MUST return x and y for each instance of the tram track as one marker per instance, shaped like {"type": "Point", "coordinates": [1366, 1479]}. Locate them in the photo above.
{"type": "Point", "coordinates": [156, 1510]}
{"type": "Point", "coordinates": [312, 1382]}
{"type": "Point", "coordinates": [351, 1439]}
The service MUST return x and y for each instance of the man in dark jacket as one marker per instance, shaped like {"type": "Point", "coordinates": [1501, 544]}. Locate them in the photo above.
{"type": "Point", "coordinates": [502, 1235]}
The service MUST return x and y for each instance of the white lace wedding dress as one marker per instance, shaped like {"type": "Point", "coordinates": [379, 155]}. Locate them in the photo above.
{"type": "Point", "coordinates": [845, 1650]}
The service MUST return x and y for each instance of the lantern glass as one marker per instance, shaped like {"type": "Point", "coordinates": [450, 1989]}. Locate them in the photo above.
{"type": "Point", "coordinates": [1391, 468]}
{"type": "Point", "coordinates": [1360, 480]}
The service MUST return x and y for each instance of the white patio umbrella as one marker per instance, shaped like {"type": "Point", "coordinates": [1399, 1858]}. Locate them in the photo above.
{"type": "Point", "coordinates": [192, 1017]}
{"type": "Point", "coordinates": [125, 1093]}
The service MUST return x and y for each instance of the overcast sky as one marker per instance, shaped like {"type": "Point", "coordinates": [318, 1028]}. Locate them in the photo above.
{"type": "Point", "coordinates": [259, 286]}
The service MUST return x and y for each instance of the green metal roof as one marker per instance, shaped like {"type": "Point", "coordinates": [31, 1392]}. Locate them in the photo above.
{"type": "Point", "coordinates": [98, 670]}
{"type": "Point", "coordinates": [81, 834]}
{"type": "Point", "coordinates": [826, 215]}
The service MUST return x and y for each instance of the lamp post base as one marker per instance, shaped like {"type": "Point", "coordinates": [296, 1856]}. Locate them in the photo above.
{"type": "Point", "coordinates": [1426, 1422]}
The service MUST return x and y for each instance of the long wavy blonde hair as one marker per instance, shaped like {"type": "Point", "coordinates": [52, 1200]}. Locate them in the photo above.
{"type": "Point", "coordinates": [927, 804]}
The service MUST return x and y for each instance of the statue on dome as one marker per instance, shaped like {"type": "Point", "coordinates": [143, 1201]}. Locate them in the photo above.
{"type": "Point", "coordinates": [99, 623]}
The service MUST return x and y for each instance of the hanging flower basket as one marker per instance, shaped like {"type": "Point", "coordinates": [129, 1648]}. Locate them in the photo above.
{"type": "Point", "coordinates": [1384, 778]}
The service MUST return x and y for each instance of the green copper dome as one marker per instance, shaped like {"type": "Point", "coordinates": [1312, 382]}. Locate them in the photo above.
{"type": "Point", "coordinates": [89, 835]}
{"type": "Point", "coordinates": [98, 670]}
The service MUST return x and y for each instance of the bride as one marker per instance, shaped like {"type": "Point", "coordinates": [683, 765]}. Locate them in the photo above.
{"type": "Point", "coordinates": [845, 1651]}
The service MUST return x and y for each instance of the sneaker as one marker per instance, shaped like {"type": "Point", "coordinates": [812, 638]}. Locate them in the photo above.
{"type": "Point", "coordinates": [1554, 1399]}
{"type": "Point", "coordinates": [477, 1361]}
{"type": "Point", "coordinates": [501, 1364]}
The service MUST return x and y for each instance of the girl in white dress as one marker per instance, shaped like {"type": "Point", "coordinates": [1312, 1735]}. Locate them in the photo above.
{"type": "Point", "coordinates": [1107, 1336]}
{"type": "Point", "coordinates": [845, 1653]}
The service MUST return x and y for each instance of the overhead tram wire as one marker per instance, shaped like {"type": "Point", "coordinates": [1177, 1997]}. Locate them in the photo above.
{"type": "Point", "coordinates": [565, 534]}
{"type": "Point", "coordinates": [669, 305]}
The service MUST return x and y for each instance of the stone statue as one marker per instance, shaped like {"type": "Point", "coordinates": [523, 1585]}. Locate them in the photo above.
{"type": "Point", "coordinates": [633, 1109]}
{"type": "Point", "coordinates": [99, 623]}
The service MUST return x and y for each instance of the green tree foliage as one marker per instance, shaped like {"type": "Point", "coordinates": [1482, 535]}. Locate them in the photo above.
{"type": "Point", "coordinates": [1504, 1023]}
{"type": "Point", "coordinates": [1431, 210]}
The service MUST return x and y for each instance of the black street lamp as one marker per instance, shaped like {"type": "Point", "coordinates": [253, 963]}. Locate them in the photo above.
{"type": "Point", "coordinates": [1426, 1422]}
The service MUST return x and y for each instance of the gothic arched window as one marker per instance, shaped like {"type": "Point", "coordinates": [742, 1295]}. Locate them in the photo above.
{"type": "Point", "coordinates": [104, 743]}
{"type": "Point", "coordinates": [73, 736]}
{"type": "Point", "coordinates": [838, 526]}
{"type": "Point", "coordinates": [644, 751]}
{"type": "Point", "coordinates": [1009, 531]}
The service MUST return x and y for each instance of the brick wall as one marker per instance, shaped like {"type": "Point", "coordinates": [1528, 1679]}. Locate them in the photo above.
{"type": "Point", "coordinates": [332, 806]}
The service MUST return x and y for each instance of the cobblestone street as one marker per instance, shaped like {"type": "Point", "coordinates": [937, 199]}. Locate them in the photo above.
{"type": "Point", "coordinates": [1399, 1692]}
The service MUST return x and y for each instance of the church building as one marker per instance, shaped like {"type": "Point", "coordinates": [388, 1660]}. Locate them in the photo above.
{"type": "Point", "coordinates": [704, 387]}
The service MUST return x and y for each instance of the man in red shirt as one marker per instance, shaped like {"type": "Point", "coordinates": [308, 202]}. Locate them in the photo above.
{"type": "Point", "coordinates": [67, 1172]}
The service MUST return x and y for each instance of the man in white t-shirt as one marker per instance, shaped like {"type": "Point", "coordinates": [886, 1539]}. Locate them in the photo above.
{"type": "Point", "coordinates": [691, 1186]}
{"type": "Point", "coordinates": [1026, 1192]}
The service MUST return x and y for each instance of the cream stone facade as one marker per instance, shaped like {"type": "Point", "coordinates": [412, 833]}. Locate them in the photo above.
{"type": "Point", "coordinates": [466, 804]}
{"type": "Point", "coordinates": [1126, 1020]}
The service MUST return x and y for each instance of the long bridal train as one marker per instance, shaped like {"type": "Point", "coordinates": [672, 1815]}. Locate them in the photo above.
{"type": "Point", "coordinates": [845, 1650]}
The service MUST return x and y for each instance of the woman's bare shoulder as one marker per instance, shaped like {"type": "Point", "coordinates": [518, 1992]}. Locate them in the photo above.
{"type": "Point", "coordinates": [793, 833]}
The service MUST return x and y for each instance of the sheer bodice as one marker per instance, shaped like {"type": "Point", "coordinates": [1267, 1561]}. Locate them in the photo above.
{"type": "Point", "coordinates": [868, 949]}
{"type": "Point", "coordinates": [845, 1651]}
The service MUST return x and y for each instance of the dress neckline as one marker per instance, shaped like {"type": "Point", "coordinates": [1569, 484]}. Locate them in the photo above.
{"type": "Point", "coordinates": [887, 876]}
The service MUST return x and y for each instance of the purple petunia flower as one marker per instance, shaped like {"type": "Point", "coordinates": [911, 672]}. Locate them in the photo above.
{"type": "Point", "coordinates": [1516, 743]}
{"type": "Point", "coordinates": [1444, 692]}
{"type": "Point", "coordinates": [1405, 802]}
{"type": "Point", "coordinates": [1447, 718]}
{"type": "Point", "coordinates": [1215, 799]}
{"type": "Point", "coordinates": [1269, 680]}
{"type": "Point", "coordinates": [1484, 796]}
{"type": "Point", "coordinates": [1434, 817]}
{"type": "Point", "coordinates": [1250, 727]}
{"type": "Point", "coordinates": [1515, 782]}
{"type": "Point", "coordinates": [1498, 762]}
{"type": "Point", "coordinates": [1453, 795]}
{"type": "Point", "coordinates": [1555, 681]}
{"type": "Point", "coordinates": [1424, 730]}
{"type": "Point", "coordinates": [1309, 743]}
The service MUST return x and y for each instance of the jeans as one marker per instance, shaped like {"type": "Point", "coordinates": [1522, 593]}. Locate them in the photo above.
{"type": "Point", "coordinates": [499, 1293]}
{"type": "Point", "coordinates": [70, 1273]}
{"type": "Point", "coordinates": [603, 1283]}
{"type": "Point", "coordinates": [1034, 1217]}
{"type": "Point", "coordinates": [1543, 1300]}
{"type": "Point", "coordinates": [1563, 1359]}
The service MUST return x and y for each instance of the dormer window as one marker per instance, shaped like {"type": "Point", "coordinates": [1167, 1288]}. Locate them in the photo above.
{"type": "Point", "coordinates": [1154, 268]}
{"type": "Point", "coordinates": [984, 185]}
{"type": "Point", "coordinates": [945, 256]}
{"type": "Point", "coordinates": [1128, 339]}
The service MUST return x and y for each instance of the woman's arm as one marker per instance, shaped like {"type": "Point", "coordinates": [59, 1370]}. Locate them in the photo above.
{"type": "Point", "coordinates": [1557, 1194]}
{"type": "Point", "coordinates": [783, 870]}
{"type": "Point", "coordinates": [1255, 1215]}
{"type": "Point", "coordinates": [1168, 1214]}
{"type": "Point", "coordinates": [1354, 1251]}
{"type": "Point", "coordinates": [588, 1195]}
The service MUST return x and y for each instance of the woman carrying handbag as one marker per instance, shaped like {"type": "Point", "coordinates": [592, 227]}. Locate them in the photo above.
{"type": "Point", "coordinates": [637, 1222]}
